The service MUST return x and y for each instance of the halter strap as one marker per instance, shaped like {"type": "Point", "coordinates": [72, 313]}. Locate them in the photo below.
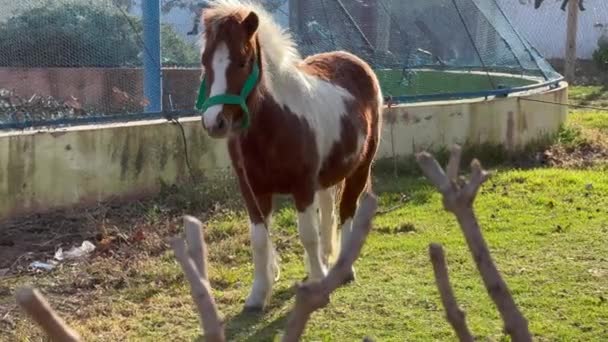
{"type": "Point", "coordinates": [202, 103]}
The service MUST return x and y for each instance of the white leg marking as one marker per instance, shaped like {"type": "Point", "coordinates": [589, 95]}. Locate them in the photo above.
{"type": "Point", "coordinates": [264, 264]}
{"type": "Point", "coordinates": [220, 62]}
{"type": "Point", "coordinates": [328, 229]}
{"type": "Point", "coordinates": [308, 227]}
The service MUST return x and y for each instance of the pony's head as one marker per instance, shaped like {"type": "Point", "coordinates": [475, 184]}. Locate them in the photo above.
{"type": "Point", "coordinates": [231, 63]}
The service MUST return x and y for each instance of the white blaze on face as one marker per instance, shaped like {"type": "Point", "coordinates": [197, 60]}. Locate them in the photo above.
{"type": "Point", "coordinates": [219, 65]}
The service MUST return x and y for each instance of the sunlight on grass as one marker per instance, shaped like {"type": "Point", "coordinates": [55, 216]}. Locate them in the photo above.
{"type": "Point", "coordinates": [590, 119]}
{"type": "Point", "coordinates": [547, 229]}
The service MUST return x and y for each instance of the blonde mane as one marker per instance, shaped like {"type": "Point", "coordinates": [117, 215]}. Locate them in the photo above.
{"type": "Point", "coordinates": [279, 52]}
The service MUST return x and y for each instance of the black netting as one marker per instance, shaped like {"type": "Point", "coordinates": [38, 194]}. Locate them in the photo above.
{"type": "Point", "coordinates": [425, 48]}
{"type": "Point", "coordinates": [84, 58]}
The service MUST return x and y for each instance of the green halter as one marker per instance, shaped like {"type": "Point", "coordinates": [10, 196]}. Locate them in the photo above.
{"type": "Point", "coordinates": [202, 104]}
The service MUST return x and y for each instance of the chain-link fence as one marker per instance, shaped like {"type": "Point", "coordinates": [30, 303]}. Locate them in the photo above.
{"type": "Point", "coordinates": [72, 61]}
{"type": "Point", "coordinates": [64, 61]}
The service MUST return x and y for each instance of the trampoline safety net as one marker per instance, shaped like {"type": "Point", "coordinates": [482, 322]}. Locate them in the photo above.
{"type": "Point", "coordinates": [76, 61]}
{"type": "Point", "coordinates": [425, 49]}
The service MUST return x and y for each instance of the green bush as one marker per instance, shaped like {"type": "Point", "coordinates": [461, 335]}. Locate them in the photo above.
{"type": "Point", "coordinates": [76, 35]}
{"type": "Point", "coordinates": [600, 56]}
{"type": "Point", "coordinates": [176, 51]}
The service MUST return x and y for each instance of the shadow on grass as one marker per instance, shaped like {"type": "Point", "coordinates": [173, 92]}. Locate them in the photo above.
{"type": "Point", "coordinates": [241, 324]}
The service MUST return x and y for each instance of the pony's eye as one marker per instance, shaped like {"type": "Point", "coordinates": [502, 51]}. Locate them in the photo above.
{"type": "Point", "coordinates": [245, 62]}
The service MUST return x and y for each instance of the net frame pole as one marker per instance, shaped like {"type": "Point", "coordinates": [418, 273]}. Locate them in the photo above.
{"type": "Point", "coordinates": [153, 90]}
{"type": "Point", "coordinates": [572, 29]}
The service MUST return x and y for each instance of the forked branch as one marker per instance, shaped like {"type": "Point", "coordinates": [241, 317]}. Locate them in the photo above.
{"type": "Point", "coordinates": [312, 296]}
{"type": "Point", "coordinates": [459, 199]}
{"type": "Point", "coordinates": [192, 259]}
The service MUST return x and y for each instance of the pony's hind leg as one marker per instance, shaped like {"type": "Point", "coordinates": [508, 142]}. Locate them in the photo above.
{"type": "Point", "coordinates": [353, 187]}
{"type": "Point", "coordinates": [328, 229]}
{"type": "Point", "coordinates": [308, 228]}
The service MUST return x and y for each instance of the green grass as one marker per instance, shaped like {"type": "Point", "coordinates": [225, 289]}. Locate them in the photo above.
{"type": "Point", "coordinates": [594, 118]}
{"type": "Point", "coordinates": [589, 95]}
{"type": "Point", "coordinates": [437, 82]}
{"type": "Point", "coordinates": [547, 229]}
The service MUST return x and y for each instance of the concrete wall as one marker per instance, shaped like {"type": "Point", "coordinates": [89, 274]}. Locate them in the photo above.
{"type": "Point", "coordinates": [511, 121]}
{"type": "Point", "coordinates": [82, 165]}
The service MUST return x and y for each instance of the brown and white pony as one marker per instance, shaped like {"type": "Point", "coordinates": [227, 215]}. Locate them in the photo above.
{"type": "Point", "coordinates": [314, 127]}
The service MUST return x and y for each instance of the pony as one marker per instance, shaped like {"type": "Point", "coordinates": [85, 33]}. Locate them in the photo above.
{"type": "Point", "coordinates": [304, 127]}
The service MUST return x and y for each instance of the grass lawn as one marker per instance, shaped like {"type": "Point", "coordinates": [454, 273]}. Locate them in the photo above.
{"type": "Point", "coordinates": [546, 227]}
{"type": "Point", "coordinates": [426, 82]}
{"type": "Point", "coordinates": [594, 97]}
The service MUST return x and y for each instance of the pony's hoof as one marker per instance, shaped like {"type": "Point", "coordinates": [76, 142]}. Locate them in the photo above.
{"type": "Point", "coordinates": [350, 278]}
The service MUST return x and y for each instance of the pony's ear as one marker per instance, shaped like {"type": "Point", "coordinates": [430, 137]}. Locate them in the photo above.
{"type": "Point", "coordinates": [250, 24]}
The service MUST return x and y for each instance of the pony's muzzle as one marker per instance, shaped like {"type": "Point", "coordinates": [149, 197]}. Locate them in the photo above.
{"type": "Point", "coordinates": [218, 127]}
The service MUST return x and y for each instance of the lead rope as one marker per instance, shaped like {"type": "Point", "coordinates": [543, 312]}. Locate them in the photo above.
{"type": "Point", "coordinates": [240, 163]}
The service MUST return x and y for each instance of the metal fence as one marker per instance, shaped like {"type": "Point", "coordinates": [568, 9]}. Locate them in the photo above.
{"type": "Point", "coordinates": [79, 61]}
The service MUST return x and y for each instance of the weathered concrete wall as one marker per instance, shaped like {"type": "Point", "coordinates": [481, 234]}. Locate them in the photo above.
{"type": "Point", "coordinates": [82, 165]}
{"type": "Point", "coordinates": [511, 121]}
{"type": "Point", "coordinates": [41, 171]}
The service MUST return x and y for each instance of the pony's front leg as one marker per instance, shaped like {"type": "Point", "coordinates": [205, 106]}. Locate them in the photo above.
{"type": "Point", "coordinates": [265, 263]}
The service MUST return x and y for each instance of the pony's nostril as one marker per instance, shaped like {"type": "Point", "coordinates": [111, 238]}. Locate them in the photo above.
{"type": "Point", "coordinates": [221, 123]}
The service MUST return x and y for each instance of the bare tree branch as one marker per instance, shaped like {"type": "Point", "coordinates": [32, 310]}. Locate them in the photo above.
{"type": "Point", "coordinates": [459, 201]}
{"type": "Point", "coordinates": [36, 306]}
{"type": "Point", "coordinates": [197, 249]}
{"type": "Point", "coordinates": [211, 322]}
{"type": "Point", "coordinates": [454, 163]}
{"type": "Point", "coordinates": [454, 314]}
{"type": "Point", "coordinates": [311, 296]}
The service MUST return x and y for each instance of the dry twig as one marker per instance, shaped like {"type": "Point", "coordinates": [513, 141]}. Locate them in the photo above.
{"type": "Point", "coordinates": [197, 249]}
{"type": "Point", "coordinates": [454, 314]}
{"type": "Point", "coordinates": [311, 296]}
{"type": "Point", "coordinates": [459, 200]}
{"type": "Point", "coordinates": [39, 309]}
{"type": "Point", "coordinates": [192, 259]}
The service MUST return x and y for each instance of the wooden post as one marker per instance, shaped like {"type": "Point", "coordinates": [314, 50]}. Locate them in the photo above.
{"type": "Point", "coordinates": [570, 63]}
